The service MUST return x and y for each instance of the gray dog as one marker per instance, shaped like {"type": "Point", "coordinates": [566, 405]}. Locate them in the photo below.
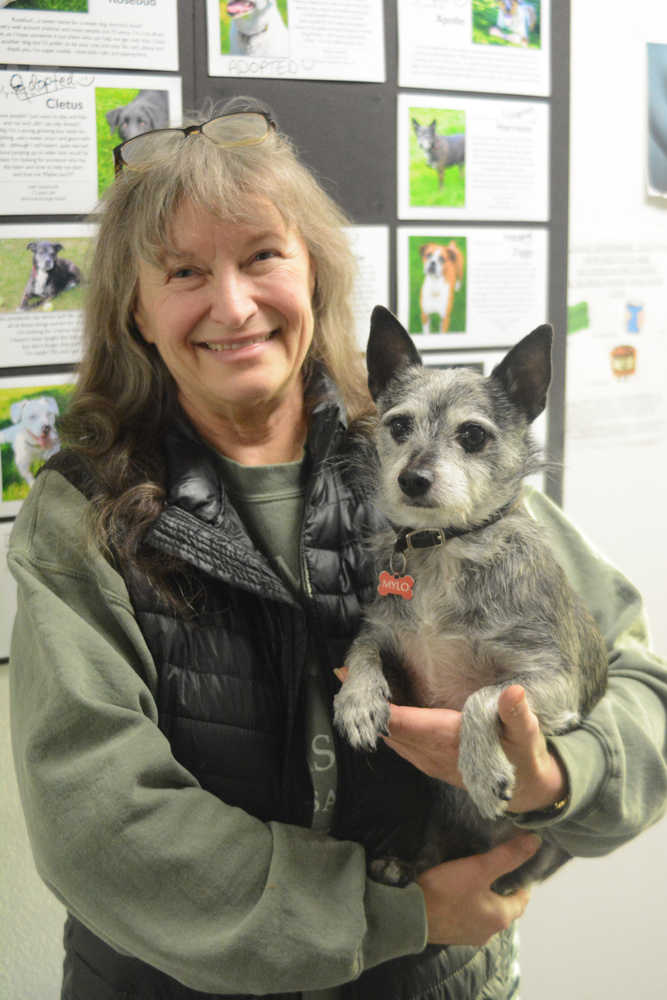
{"type": "Point", "coordinates": [470, 598]}
{"type": "Point", "coordinates": [147, 111]}
{"type": "Point", "coordinates": [441, 151]}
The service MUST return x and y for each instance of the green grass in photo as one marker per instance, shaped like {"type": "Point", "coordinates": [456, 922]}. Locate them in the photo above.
{"type": "Point", "coordinates": [68, 6]}
{"type": "Point", "coordinates": [106, 99]}
{"type": "Point", "coordinates": [424, 188]}
{"type": "Point", "coordinates": [226, 21]}
{"type": "Point", "coordinates": [458, 316]}
{"type": "Point", "coordinates": [14, 486]}
{"type": "Point", "coordinates": [484, 18]}
{"type": "Point", "coordinates": [16, 265]}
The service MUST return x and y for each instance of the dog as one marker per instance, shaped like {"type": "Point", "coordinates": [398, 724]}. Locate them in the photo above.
{"type": "Point", "coordinates": [443, 273]}
{"type": "Point", "coordinates": [50, 275]}
{"type": "Point", "coordinates": [516, 19]}
{"type": "Point", "coordinates": [33, 433]}
{"type": "Point", "coordinates": [470, 598]}
{"type": "Point", "coordinates": [441, 151]}
{"type": "Point", "coordinates": [257, 29]}
{"type": "Point", "coordinates": [147, 111]}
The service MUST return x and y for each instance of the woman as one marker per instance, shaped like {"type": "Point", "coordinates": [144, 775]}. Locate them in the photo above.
{"type": "Point", "coordinates": [189, 575]}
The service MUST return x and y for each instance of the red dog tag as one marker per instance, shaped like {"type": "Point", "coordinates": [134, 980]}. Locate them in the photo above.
{"type": "Point", "coordinates": [391, 583]}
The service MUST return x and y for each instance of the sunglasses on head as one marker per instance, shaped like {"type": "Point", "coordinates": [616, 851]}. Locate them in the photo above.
{"type": "Point", "coordinates": [238, 128]}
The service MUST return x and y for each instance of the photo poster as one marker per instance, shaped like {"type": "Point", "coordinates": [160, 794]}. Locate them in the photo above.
{"type": "Point", "coordinates": [464, 287]}
{"type": "Point", "coordinates": [30, 408]}
{"type": "Point", "coordinates": [370, 246]}
{"type": "Point", "coordinates": [483, 362]}
{"type": "Point", "coordinates": [296, 40]}
{"type": "Point", "coordinates": [617, 347]}
{"type": "Point", "coordinates": [495, 46]}
{"type": "Point", "coordinates": [7, 592]}
{"type": "Point", "coordinates": [111, 34]}
{"type": "Point", "coordinates": [657, 120]}
{"type": "Point", "coordinates": [471, 158]}
{"type": "Point", "coordinates": [43, 273]}
{"type": "Point", "coordinates": [58, 130]}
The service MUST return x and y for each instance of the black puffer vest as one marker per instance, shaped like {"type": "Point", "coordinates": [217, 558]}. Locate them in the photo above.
{"type": "Point", "coordinates": [231, 698]}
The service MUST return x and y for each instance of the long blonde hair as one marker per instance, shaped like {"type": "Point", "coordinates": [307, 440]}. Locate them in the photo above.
{"type": "Point", "coordinates": [124, 392]}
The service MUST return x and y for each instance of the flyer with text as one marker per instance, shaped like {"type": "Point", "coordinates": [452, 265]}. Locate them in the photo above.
{"type": "Point", "coordinates": [471, 287]}
{"type": "Point", "coordinates": [296, 39]}
{"type": "Point", "coordinates": [495, 46]}
{"type": "Point", "coordinates": [370, 246]}
{"type": "Point", "coordinates": [58, 131]}
{"type": "Point", "coordinates": [472, 158]}
{"type": "Point", "coordinates": [111, 34]}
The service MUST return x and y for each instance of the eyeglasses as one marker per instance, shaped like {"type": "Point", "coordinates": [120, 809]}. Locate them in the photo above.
{"type": "Point", "coordinates": [238, 128]}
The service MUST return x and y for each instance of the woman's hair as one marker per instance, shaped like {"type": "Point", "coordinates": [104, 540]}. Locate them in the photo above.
{"type": "Point", "coordinates": [124, 391]}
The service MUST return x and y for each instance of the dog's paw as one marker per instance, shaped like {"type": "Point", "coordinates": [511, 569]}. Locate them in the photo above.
{"type": "Point", "coordinates": [361, 710]}
{"type": "Point", "coordinates": [488, 779]}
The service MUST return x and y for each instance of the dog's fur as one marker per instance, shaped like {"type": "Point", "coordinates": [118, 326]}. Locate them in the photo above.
{"type": "Point", "coordinates": [491, 607]}
{"type": "Point", "coordinates": [32, 433]}
{"type": "Point", "coordinates": [50, 274]}
{"type": "Point", "coordinates": [257, 29]}
{"type": "Point", "coordinates": [443, 273]}
{"type": "Point", "coordinates": [147, 111]}
{"type": "Point", "coordinates": [441, 151]}
{"type": "Point", "coordinates": [516, 19]}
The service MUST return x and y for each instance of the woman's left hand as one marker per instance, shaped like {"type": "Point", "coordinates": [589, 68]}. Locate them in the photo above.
{"type": "Point", "coordinates": [429, 739]}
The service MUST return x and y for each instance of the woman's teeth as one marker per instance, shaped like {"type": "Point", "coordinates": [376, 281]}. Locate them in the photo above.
{"type": "Point", "coordinates": [241, 343]}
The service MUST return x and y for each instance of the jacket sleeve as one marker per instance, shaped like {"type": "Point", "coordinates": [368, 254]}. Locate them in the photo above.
{"type": "Point", "coordinates": [124, 835]}
{"type": "Point", "coordinates": [617, 760]}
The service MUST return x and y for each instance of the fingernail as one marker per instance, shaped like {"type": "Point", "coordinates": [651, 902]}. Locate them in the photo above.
{"type": "Point", "coordinates": [339, 673]}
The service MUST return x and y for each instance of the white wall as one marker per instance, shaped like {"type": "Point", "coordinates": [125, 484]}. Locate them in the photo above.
{"type": "Point", "coordinates": [596, 930]}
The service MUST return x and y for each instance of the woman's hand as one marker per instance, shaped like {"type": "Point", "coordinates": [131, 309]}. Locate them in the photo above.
{"type": "Point", "coordinates": [429, 739]}
{"type": "Point", "coordinates": [461, 907]}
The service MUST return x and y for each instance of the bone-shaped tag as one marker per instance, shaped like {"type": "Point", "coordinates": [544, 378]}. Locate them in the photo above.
{"type": "Point", "coordinates": [391, 583]}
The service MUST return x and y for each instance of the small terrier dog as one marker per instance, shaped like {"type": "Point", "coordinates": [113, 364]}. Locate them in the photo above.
{"type": "Point", "coordinates": [470, 598]}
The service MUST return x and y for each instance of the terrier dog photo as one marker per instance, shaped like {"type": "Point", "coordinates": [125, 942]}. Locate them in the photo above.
{"type": "Point", "coordinates": [443, 273]}
{"type": "Point", "coordinates": [441, 151]}
{"type": "Point", "coordinates": [470, 598]}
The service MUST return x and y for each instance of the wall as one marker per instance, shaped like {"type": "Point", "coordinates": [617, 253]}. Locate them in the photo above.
{"type": "Point", "coordinates": [596, 930]}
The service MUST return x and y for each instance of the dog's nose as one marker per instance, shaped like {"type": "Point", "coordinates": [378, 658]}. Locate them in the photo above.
{"type": "Point", "coordinates": [415, 482]}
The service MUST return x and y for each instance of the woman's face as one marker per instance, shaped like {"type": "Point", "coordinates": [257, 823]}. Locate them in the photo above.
{"type": "Point", "coordinates": [230, 314]}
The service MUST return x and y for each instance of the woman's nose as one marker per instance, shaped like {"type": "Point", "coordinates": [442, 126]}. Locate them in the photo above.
{"type": "Point", "coordinates": [233, 301]}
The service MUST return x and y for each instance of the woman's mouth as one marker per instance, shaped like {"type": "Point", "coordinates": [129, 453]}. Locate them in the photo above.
{"type": "Point", "coordinates": [237, 345]}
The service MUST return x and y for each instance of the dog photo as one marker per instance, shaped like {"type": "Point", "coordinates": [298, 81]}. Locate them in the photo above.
{"type": "Point", "coordinates": [437, 284]}
{"type": "Point", "coordinates": [437, 157]}
{"type": "Point", "coordinates": [122, 113]}
{"type": "Point", "coordinates": [470, 599]}
{"type": "Point", "coordinates": [29, 414]}
{"type": "Point", "coordinates": [43, 274]}
{"type": "Point", "coordinates": [506, 22]}
{"type": "Point", "coordinates": [254, 28]}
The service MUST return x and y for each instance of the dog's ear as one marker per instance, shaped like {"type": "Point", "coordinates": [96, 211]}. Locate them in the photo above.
{"type": "Point", "coordinates": [57, 247]}
{"type": "Point", "coordinates": [525, 372]}
{"type": "Point", "coordinates": [32, 246]}
{"type": "Point", "coordinates": [113, 118]}
{"type": "Point", "coordinates": [390, 348]}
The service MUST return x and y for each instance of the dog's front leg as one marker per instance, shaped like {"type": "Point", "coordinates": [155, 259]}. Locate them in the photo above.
{"type": "Point", "coordinates": [487, 774]}
{"type": "Point", "coordinates": [361, 707]}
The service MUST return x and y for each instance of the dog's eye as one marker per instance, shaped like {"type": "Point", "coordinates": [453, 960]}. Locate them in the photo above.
{"type": "Point", "coordinates": [400, 428]}
{"type": "Point", "coordinates": [472, 437]}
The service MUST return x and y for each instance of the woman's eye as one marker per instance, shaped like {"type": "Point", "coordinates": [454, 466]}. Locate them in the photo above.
{"type": "Point", "coordinates": [183, 272]}
{"type": "Point", "coordinates": [400, 428]}
{"type": "Point", "coordinates": [472, 437]}
{"type": "Point", "coordinates": [265, 255]}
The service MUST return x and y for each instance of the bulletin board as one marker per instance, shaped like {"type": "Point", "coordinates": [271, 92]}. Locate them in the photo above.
{"type": "Point", "coordinates": [359, 117]}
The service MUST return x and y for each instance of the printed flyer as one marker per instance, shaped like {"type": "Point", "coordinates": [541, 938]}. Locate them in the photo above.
{"type": "Point", "coordinates": [43, 272]}
{"type": "Point", "coordinates": [111, 34]}
{"type": "Point", "coordinates": [370, 245]}
{"type": "Point", "coordinates": [58, 130]}
{"type": "Point", "coordinates": [471, 158]}
{"type": "Point", "coordinates": [30, 408]}
{"type": "Point", "coordinates": [296, 39]}
{"type": "Point", "coordinates": [496, 46]}
{"type": "Point", "coordinates": [474, 287]}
